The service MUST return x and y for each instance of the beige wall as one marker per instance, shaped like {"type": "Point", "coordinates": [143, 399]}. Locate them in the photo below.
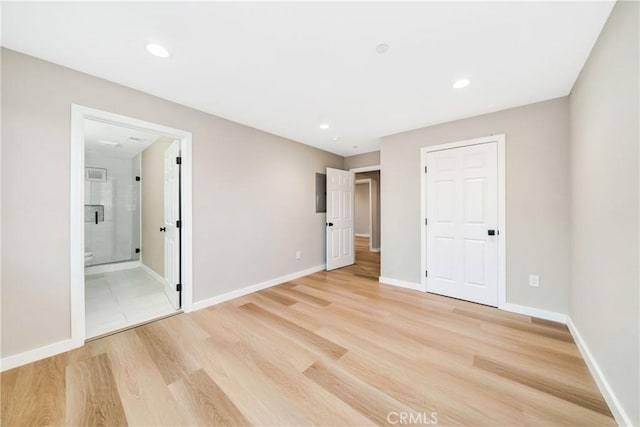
{"type": "Point", "coordinates": [537, 181]}
{"type": "Point", "coordinates": [152, 249]}
{"type": "Point", "coordinates": [253, 196]}
{"type": "Point", "coordinates": [362, 160]}
{"type": "Point", "coordinates": [361, 217]}
{"type": "Point", "coordinates": [604, 116]}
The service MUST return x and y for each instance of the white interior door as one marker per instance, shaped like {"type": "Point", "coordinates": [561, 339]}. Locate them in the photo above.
{"type": "Point", "coordinates": [339, 223]}
{"type": "Point", "coordinates": [462, 220]}
{"type": "Point", "coordinates": [171, 218]}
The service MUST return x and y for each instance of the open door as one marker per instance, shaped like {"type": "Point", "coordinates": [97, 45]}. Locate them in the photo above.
{"type": "Point", "coordinates": [339, 223]}
{"type": "Point", "coordinates": [172, 224]}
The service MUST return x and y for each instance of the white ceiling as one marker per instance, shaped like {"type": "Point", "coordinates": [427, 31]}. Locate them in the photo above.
{"type": "Point", "coordinates": [129, 141]}
{"type": "Point", "coordinates": [287, 67]}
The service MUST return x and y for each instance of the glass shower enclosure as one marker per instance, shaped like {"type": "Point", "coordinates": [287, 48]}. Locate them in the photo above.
{"type": "Point", "coordinates": [112, 209]}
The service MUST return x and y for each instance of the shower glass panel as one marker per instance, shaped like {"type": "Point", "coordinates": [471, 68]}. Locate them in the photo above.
{"type": "Point", "coordinates": [112, 208]}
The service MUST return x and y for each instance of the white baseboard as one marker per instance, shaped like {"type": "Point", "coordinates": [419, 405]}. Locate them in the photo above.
{"type": "Point", "coordinates": [401, 284]}
{"type": "Point", "coordinates": [361, 235]}
{"type": "Point", "coordinates": [152, 273]}
{"type": "Point", "coordinates": [29, 356]}
{"type": "Point", "coordinates": [198, 305]}
{"type": "Point", "coordinates": [36, 354]}
{"type": "Point", "coordinates": [375, 249]}
{"type": "Point", "coordinates": [614, 404]}
{"type": "Point", "coordinates": [534, 312]}
{"type": "Point", "coordinates": [168, 289]}
{"type": "Point", "coordinates": [108, 268]}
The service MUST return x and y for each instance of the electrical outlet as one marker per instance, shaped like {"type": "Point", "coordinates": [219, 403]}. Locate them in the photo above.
{"type": "Point", "coordinates": [534, 280]}
{"type": "Point", "coordinates": [298, 255]}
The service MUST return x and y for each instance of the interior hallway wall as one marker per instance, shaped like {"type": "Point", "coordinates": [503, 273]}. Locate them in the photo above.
{"type": "Point", "coordinates": [537, 205]}
{"type": "Point", "coordinates": [361, 216]}
{"type": "Point", "coordinates": [605, 135]}
{"type": "Point", "coordinates": [253, 196]}
{"type": "Point", "coordinates": [153, 204]}
{"type": "Point", "coordinates": [362, 160]}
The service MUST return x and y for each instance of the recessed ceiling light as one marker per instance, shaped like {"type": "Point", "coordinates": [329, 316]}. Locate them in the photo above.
{"type": "Point", "coordinates": [158, 50]}
{"type": "Point", "coordinates": [355, 146]}
{"type": "Point", "coordinates": [324, 126]}
{"type": "Point", "coordinates": [382, 48]}
{"type": "Point", "coordinates": [109, 143]}
{"type": "Point", "coordinates": [461, 83]}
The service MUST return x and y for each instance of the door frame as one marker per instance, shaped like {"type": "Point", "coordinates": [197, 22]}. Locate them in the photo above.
{"type": "Point", "coordinates": [367, 181]}
{"type": "Point", "coordinates": [77, 286]}
{"type": "Point", "coordinates": [373, 168]}
{"type": "Point", "coordinates": [502, 226]}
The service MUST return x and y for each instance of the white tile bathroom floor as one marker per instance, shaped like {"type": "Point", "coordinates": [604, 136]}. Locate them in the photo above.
{"type": "Point", "coordinates": [124, 298]}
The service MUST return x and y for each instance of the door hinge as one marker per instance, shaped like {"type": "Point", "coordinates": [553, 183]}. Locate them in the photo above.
{"type": "Point", "coordinates": [425, 221]}
{"type": "Point", "coordinates": [179, 287]}
{"type": "Point", "coordinates": [425, 169]}
{"type": "Point", "coordinates": [178, 160]}
{"type": "Point", "coordinates": [178, 223]}
{"type": "Point", "coordinates": [137, 178]}
{"type": "Point", "coordinates": [426, 273]}
{"type": "Point", "coordinates": [137, 250]}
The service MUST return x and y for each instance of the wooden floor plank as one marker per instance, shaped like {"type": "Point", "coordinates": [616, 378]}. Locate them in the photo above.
{"type": "Point", "coordinates": [204, 403]}
{"type": "Point", "coordinates": [304, 336]}
{"type": "Point", "coordinates": [332, 348]}
{"type": "Point", "coordinates": [588, 399]}
{"type": "Point", "coordinates": [367, 400]}
{"type": "Point", "coordinates": [135, 374]}
{"type": "Point", "coordinates": [45, 379]}
{"type": "Point", "coordinates": [92, 397]}
{"type": "Point", "coordinates": [172, 360]}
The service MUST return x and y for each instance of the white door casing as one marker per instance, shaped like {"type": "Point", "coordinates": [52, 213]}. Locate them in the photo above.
{"type": "Point", "coordinates": [461, 209]}
{"type": "Point", "coordinates": [171, 218]}
{"type": "Point", "coordinates": [339, 222]}
{"type": "Point", "coordinates": [79, 114]}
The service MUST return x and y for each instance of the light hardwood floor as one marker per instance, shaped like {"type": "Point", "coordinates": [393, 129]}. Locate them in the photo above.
{"type": "Point", "coordinates": [333, 349]}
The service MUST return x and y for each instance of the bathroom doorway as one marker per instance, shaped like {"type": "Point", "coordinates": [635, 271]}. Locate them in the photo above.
{"type": "Point", "coordinates": [134, 226]}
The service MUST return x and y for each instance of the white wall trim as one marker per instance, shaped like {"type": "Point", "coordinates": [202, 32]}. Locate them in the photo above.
{"type": "Point", "coordinates": [535, 312]}
{"type": "Point", "coordinates": [78, 115]}
{"type": "Point", "coordinates": [36, 354]}
{"type": "Point", "coordinates": [107, 268]}
{"type": "Point", "coordinates": [502, 224]}
{"type": "Point", "coordinates": [198, 305]}
{"type": "Point", "coordinates": [152, 273]}
{"type": "Point", "coordinates": [607, 392]}
{"type": "Point", "coordinates": [365, 169]}
{"type": "Point", "coordinates": [39, 353]}
{"type": "Point", "coordinates": [402, 284]}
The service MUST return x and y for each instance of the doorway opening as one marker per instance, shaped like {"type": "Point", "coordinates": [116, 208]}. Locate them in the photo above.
{"type": "Point", "coordinates": [367, 222]}
{"type": "Point", "coordinates": [131, 222]}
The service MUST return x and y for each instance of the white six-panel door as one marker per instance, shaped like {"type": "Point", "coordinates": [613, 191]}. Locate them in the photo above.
{"type": "Point", "coordinates": [339, 222]}
{"type": "Point", "coordinates": [462, 214]}
{"type": "Point", "coordinates": [171, 217]}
